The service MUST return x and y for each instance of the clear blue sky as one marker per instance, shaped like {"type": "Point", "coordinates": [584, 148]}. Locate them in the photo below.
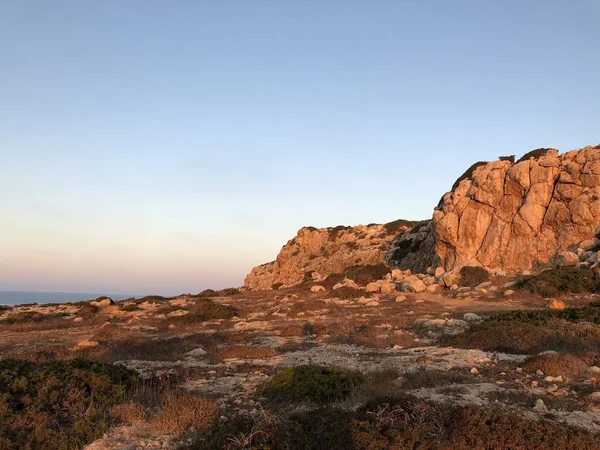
{"type": "Point", "coordinates": [156, 146]}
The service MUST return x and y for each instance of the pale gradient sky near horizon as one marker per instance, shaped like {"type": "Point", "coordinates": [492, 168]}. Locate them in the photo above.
{"type": "Point", "coordinates": [165, 147]}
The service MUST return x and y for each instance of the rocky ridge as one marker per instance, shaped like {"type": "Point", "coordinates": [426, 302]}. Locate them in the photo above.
{"type": "Point", "coordinates": [320, 252]}
{"type": "Point", "coordinates": [510, 215]}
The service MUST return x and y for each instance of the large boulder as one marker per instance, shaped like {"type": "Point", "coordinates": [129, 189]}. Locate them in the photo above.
{"type": "Point", "coordinates": [510, 215]}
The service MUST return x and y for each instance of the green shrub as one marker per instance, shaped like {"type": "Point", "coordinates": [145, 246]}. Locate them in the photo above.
{"type": "Point", "coordinates": [324, 251]}
{"type": "Point", "coordinates": [58, 405]}
{"type": "Point", "coordinates": [334, 231]}
{"type": "Point", "coordinates": [130, 308]}
{"type": "Point", "coordinates": [364, 275]}
{"type": "Point", "coordinates": [537, 153]}
{"type": "Point", "coordinates": [473, 276]}
{"type": "Point", "coordinates": [207, 293]}
{"type": "Point", "coordinates": [308, 276]}
{"type": "Point", "coordinates": [347, 292]}
{"type": "Point", "coordinates": [400, 423]}
{"type": "Point", "coordinates": [315, 383]}
{"type": "Point", "coordinates": [228, 292]}
{"type": "Point", "coordinates": [205, 310]}
{"type": "Point", "coordinates": [152, 299]}
{"type": "Point", "coordinates": [510, 158]}
{"type": "Point", "coordinates": [276, 286]}
{"type": "Point", "coordinates": [561, 281]}
{"type": "Point", "coordinates": [394, 227]}
{"type": "Point", "coordinates": [30, 317]}
{"type": "Point", "coordinates": [352, 245]}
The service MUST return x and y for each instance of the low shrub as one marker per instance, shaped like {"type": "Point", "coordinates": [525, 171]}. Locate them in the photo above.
{"type": "Point", "coordinates": [276, 286]}
{"type": "Point", "coordinates": [347, 292]}
{"type": "Point", "coordinates": [366, 274]}
{"type": "Point", "coordinates": [473, 276]}
{"type": "Point", "coordinates": [563, 364]}
{"type": "Point", "coordinates": [537, 153]}
{"type": "Point", "coordinates": [228, 292]}
{"type": "Point", "coordinates": [244, 352]}
{"type": "Point", "coordinates": [314, 383]}
{"type": "Point", "coordinates": [205, 310]}
{"type": "Point", "coordinates": [152, 299]}
{"type": "Point", "coordinates": [207, 293]}
{"type": "Point", "coordinates": [58, 405]}
{"type": "Point", "coordinates": [394, 227]}
{"type": "Point", "coordinates": [400, 423]}
{"type": "Point", "coordinates": [510, 158]}
{"type": "Point", "coordinates": [561, 281]}
{"type": "Point", "coordinates": [182, 411]}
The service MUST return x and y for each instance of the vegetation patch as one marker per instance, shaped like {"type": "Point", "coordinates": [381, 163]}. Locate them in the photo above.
{"type": "Point", "coordinates": [347, 292]}
{"type": "Point", "coordinates": [394, 227]}
{"type": "Point", "coordinates": [205, 310]}
{"type": "Point", "coordinates": [473, 276]}
{"type": "Point", "coordinates": [206, 293]}
{"type": "Point", "coordinates": [245, 352]}
{"type": "Point", "coordinates": [563, 364]}
{"type": "Point", "coordinates": [561, 281]}
{"type": "Point", "coordinates": [181, 411]}
{"type": "Point", "coordinates": [400, 423]}
{"type": "Point", "coordinates": [58, 405]}
{"type": "Point", "coordinates": [276, 286]}
{"type": "Point", "coordinates": [366, 274]}
{"type": "Point", "coordinates": [537, 153]}
{"type": "Point", "coordinates": [311, 383]}
{"type": "Point", "coordinates": [574, 330]}
{"type": "Point", "coordinates": [334, 231]}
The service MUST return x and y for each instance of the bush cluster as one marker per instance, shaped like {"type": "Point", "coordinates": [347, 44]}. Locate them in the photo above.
{"type": "Point", "coordinates": [205, 310]}
{"type": "Point", "coordinates": [366, 274]}
{"type": "Point", "coordinates": [399, 423]}
{"type": "Point", "coordinates": [473, 276]}
{"type": "Point", "coordinates": [311, 383]}
{"type": "Point", "coordinates": [561, 281]}
{"type": "Point", "coordinates": [58, 405]}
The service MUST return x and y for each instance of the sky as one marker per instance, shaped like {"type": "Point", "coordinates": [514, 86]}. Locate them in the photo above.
{"type": "Point", "coordinates": [166, 147]}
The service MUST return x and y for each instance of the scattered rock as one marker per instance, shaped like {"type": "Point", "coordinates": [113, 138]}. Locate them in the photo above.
{"type": "Point", "coordinates": [472, 317]}
{"type": "Point", "coordinates": [400, 298]}
{"type": "Point", "coordinates": [318, 288]}
{"type": "Point", "coordinates": [540, 406]}
{"type": "Point", "coordinates": [557, 304]}
{"type": "Point", "coordinates": [82, 345]}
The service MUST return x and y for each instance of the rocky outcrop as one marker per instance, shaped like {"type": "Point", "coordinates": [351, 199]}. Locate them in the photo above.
{"type": "Point", "coordinates": [508, 215]}
{"type": "Point", "coordinates": [320, 252]}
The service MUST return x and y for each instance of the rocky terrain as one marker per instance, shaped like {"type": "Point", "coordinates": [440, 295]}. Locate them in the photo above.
{"type": "Point", "coordinates": [222, 346]}
{"type": "Point", "coordinates": [323, 251]}
{"type": "Point", "coordinates": [479, 329]}
{"type": "Point", "coordinates": [512, 215]}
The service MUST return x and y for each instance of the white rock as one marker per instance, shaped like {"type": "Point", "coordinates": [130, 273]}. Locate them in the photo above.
{"type": "Point", "coordinates": [472, 317]}
{"type": "Point", "coordinates": [317, 288]}
{"type": "Point", "coordinates": [549, 379]}
{"type": "Point", "coordinates": [456, 323]}
{"type": "Point", "coordinates": [540, 406]}
{"type": "Point", "coordinates": [372, 303]}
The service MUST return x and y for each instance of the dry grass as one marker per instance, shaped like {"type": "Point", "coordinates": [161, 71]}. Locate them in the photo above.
{"type": "Point", "coordinates": [563, 364]}
{"type": "Point", "coordinates": [243, 352]}
{"type": "Point", "coordinates": [182, 411]}
{"type": "Point", "coordinates": [129, 414]}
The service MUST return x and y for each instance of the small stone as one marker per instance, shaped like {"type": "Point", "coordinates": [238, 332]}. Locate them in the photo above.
{"type": "Point", "coordinates": [318, 288]}
{"type": "Point", "coordinates": [595, 397]}
{"type": "Point", "coordinates": [519, 370]}
{"type": "Point", "coordinates": [552, 389]}
{"type": "Point", "coordinates": [363, 301]}
{"type": "Point", "coordinates": [509, 292]}
{"type": "Point", "coordinates": [372, 303]}
{"type": "Point", "coordinates": [420, 301]}
{"type": "Point", "coordinates": [401, 298]}
{"type": "Point", "coordinates": [474, 371]}
{"type": "Point", "coordinates": [557, 305]}
{"type": "Point", "coordinates": [549, 379]}
{"type": "Point", "coordinates": [539, 373]}
{"type": "Point", "coordinates": [594, 370]}
{"type": "Point", "coordinates": [540, 406]}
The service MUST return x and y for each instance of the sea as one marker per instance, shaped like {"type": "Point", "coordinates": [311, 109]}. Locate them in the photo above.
{"type": "Point", "coordinates": [23, 297]}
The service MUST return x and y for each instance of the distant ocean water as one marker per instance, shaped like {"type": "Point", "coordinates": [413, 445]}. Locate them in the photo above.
{"type": "Point", "coordinates": [20, 297]}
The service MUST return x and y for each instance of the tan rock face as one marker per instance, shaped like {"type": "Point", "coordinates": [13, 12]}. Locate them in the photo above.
{"type": "Point", "coordinates": [507, 215]}
{"type": "Point", "coordinates": [326, 251]}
